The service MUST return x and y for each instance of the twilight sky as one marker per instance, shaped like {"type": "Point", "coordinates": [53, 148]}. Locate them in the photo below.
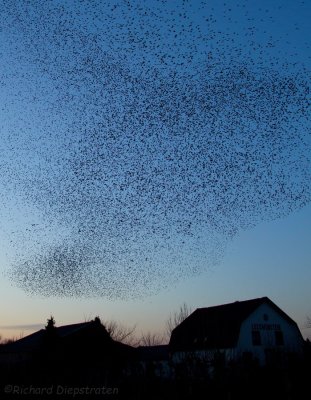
{"type": "Point", "coordinates": [153, 153]}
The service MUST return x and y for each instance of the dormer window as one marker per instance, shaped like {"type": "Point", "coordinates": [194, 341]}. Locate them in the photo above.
{"type": "Point", "coordinates": [265, 317]}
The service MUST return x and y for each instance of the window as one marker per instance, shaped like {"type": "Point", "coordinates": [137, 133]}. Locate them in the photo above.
{"type": "Point", "coordinates": [256, 338]}
{"type": "Point", "coordinates": [279, 339]}
{"type": "Point", "coordinates": [265, 317]}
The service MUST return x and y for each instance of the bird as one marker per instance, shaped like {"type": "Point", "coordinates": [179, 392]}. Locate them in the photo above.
{"type": "Point", "coordinates": [141, 133]}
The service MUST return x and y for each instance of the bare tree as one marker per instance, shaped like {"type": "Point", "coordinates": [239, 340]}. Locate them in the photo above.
{"type": "Point", "coordinates": [117, 331]}
{"type": "Point", "coordinates": [7, 341]}
{"type": "Point", "coordinates": [121, 333]}
{"type": "Point", "coordinates": [88, 318]}
{"type": "Point", "coordinates": [151, 339]}
{"type": "Point", "coordinates": [177, 318]}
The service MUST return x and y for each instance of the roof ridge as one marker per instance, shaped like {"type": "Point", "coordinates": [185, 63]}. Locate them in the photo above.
{"type": "Point", "coordinates": [234, 302]}
{"type": "Point", "coordinates": [76, 324]}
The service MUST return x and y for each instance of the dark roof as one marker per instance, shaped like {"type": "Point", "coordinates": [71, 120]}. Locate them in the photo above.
{"type": "Point", "coordinates": [37, 339]}
{"type": "Point", "coordinates": [27, 343]}
{"type": "Point", "coordinates": [218, 326]}
{"type": "Point", "coordinates": [66, 330]}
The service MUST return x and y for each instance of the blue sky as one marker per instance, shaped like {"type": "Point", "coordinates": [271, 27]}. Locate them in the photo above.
{"type": "Point", "coordinates": [271, 260]}
{"type": "Point", "coordinates": [121, 196]}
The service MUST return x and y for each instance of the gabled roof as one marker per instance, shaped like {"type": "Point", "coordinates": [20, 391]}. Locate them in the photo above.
{"type": "Point", "coordinates": [30, 342]}
{"type": "Point", "coordinates": [218, 326]}
{"type": "Point", "coordinates": [37, 339]}
{"type": "Point", "coordinates": [70, 329]}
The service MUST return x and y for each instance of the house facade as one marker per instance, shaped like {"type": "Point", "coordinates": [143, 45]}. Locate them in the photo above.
{"type": "Point", "coordinates": [83, 351]}
{"type": "Point", "coordinates": [154, 361]}
{"type": "Point", "coordinates": [256, 329]}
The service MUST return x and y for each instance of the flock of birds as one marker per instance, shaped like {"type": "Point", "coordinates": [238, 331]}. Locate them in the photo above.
{"type": "Point", "coordinates": [140, 137]}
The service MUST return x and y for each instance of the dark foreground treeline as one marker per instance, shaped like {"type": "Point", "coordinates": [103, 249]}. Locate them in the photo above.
{"type": "Point", "coordinates": [92, 375]}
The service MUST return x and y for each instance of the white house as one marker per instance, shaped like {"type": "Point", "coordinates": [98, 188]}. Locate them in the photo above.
{"type": "Point", "coordinates": [255, 328]}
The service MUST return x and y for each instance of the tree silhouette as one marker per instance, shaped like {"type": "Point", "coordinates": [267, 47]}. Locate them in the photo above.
{"type": "Point", "coordinates": [50, 323]}
{"type": "Point", "coordinates": [177, 318]}
{"type": "Point", "coordinates": [151, 339]}
{"type": "Point", "coordinates": [121, 333]}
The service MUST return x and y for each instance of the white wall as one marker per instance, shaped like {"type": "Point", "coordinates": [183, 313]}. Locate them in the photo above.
{"type": "Point", "coordinates": [293, 341]}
